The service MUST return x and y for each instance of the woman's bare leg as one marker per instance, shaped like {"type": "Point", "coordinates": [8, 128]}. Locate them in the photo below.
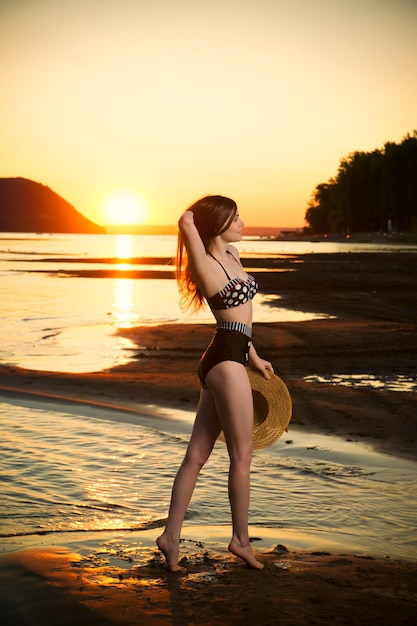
{"type": "Point", "coordinates": [230, 387]}
{"type": "Point", "coordinates": [205, 432]}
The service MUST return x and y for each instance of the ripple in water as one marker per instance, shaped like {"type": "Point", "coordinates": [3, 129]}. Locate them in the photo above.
{"type": "Point", "coordinates": [63, 471]}
{"type": "Point", "coordinates": [388, 383]}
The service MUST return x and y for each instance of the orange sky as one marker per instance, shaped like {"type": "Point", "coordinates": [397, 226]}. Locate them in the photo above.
{"type": "Point", "coordinates": [170, 101]}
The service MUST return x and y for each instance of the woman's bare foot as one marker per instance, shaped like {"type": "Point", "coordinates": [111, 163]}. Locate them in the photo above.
{"type": "Point", "coordinates": [170, 551]}
{"type": "Point", "coordinates": [245, 553]}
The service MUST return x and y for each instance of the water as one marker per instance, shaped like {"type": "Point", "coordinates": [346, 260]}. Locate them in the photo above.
{"type": "Point", "coordinates": [54, 321]}
{"type": "Point", "coordinates": [64, 323]}
{"type": "Point", "coordinates": [83, 468]}
{"type": "Point", "coordinates": [77, 468]}
{"type": "Point", "coordinates": [388, 383]}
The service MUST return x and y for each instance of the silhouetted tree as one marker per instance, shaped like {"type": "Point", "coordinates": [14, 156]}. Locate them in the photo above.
{"type": "Point", "coordinates": [370, 188]}
{"type": "Point", "coordinates": [320, 207]}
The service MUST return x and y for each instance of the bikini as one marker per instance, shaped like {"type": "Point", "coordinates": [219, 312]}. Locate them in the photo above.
{"type": "Point", "coordinates": [232, 340]}
{"type": "Point", "coordinates": [236, 292]}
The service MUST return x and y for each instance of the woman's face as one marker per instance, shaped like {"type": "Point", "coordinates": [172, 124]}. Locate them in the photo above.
{"type": "Point", "coordinates": [234, 232]}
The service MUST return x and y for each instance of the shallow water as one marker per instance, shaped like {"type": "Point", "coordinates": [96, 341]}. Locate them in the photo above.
{"type": "Point", "coordinates": [387, 383]}
{"type": "Point", "coordinates": [66, 323]}
{"type": "Point", "coordinates": [74, 467]}
{"type": "Point", "coordinates": [52, 322]}
{"type": "Point", "coordinates": [55, 322]}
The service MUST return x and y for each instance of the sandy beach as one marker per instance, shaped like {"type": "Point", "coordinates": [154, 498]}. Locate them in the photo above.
{"type": "Point", "coordinates": [59, 586]}
{"type": "Point", "coordinates": [373, 299]}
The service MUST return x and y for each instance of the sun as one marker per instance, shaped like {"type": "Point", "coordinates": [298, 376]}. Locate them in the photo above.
{"type": "Point", "coordinates": [123, 208]}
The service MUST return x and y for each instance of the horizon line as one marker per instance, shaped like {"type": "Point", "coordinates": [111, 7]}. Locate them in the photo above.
{"type": "Point", "coordinates": [173, 227]}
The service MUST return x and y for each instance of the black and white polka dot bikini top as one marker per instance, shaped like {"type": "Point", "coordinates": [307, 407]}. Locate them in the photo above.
{"type": "Point", "coordinates": [235, 293]}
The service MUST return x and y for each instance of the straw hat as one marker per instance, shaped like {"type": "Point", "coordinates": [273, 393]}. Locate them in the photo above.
{"type": "Point", "coordinates": [272, 408]}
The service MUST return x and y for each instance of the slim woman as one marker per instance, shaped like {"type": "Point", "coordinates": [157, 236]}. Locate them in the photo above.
{"type": "Point", "coordinates": [209, 270]}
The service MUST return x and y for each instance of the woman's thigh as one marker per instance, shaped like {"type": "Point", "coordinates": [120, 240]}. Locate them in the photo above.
{"type": "Point", "coordinates": [229, 385]}
{"type": "Point", "coordinates": [206, 427]}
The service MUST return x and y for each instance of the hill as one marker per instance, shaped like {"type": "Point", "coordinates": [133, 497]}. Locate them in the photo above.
{"type": "Point", "coordinates": [30, 207]}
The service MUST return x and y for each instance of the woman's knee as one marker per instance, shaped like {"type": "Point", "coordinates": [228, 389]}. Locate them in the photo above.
{"type": "Point", "coordinates": [240, 456]}
{"type": "Point", "coordinates": [196, 457]}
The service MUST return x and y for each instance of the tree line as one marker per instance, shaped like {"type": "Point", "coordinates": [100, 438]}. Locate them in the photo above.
{"type": "Point", "coordinates": [372, 191]}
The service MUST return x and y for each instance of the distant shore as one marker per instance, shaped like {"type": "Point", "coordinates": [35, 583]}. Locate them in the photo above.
{"type": "Point", "coordinates": [280, 233]}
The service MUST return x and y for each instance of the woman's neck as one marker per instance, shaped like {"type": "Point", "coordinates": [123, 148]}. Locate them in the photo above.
{"type": "Point", "coordinates": [220, 251]}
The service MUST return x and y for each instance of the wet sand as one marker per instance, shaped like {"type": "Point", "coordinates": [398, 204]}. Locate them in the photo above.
{"type": "Point", "coordinates": [59, 586]}
{"type": "Point", "coordinates": [374, 299]}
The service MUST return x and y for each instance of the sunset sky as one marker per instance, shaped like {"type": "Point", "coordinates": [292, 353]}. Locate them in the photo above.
{"type": "Point", "coordinates": [170, 100]}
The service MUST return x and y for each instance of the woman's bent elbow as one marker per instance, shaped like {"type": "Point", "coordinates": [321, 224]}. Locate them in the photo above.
{"type": "Point", "coordinates": [186, 219]}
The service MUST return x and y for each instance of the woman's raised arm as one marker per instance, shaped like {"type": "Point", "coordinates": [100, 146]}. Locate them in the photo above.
{"type": "Point", "coordinates": [192, 240]}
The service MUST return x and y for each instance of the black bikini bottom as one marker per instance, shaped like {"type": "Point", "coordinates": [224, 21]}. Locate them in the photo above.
{"type": "Point", "coordinates": [226, 345]}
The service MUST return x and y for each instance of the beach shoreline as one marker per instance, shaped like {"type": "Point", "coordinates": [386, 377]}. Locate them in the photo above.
{"type": "Point", "coordinates": [163, 375]}
{"type": "Point", "coordinates": [372, 331]}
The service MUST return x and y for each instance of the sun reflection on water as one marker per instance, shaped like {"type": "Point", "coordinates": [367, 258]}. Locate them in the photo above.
{"type": "Point", "coordinates": [123, 251]}
{"type": "Point", "coordinates": [123, 304]}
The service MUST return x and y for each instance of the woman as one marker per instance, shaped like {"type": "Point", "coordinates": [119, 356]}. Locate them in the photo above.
{"type": "Point", "coordinates": [208, 268]}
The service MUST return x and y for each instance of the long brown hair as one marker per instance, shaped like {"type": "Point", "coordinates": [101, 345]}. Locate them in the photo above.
{"type": "Point", "coordinates": [212, 216]}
